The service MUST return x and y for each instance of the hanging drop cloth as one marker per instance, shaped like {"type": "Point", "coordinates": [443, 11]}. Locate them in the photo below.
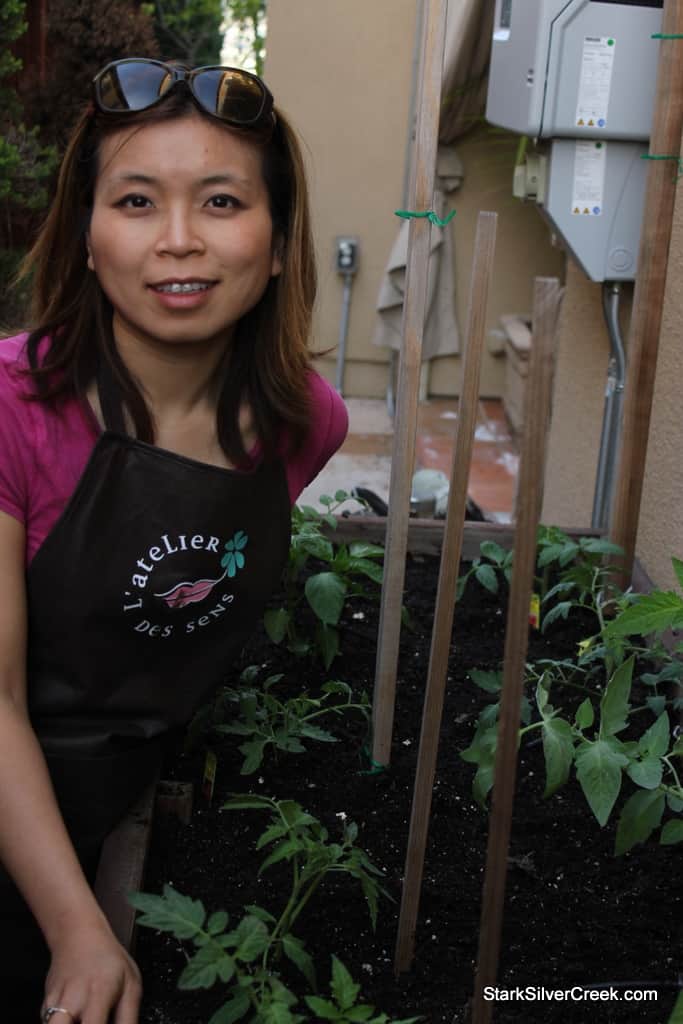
{"type": "Point", "coordinates": [441, 330]}
{"type": "Point", "coordinates": [467, 53]}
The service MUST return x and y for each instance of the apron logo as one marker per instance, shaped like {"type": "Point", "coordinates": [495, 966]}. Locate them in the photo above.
{"type": "Point", "coordinates": [187, 592]}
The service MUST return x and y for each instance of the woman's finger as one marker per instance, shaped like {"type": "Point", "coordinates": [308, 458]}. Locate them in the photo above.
{"type": "Point", "coordinates": [128, 1008]}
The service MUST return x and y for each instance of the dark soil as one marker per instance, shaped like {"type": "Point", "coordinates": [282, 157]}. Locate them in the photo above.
{"type": "Point", "coordinates": [575, 914]}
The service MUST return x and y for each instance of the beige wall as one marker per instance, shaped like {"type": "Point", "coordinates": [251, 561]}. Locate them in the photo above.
{"type": "Point", "coordinates": [660, 533]}
{"type": "Point", "coordinates": [583, 352]}
{"type": "Point", "coordinates": [343, 70]}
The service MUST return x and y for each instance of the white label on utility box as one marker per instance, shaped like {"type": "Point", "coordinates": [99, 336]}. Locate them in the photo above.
{"type": "Point", "coordinates": [589, 178]}
{"type": "Point", "coordinates": [597, 63]}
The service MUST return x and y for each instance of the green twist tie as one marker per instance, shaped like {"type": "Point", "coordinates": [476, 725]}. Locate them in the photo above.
{"type": "Point", "coordinates": [429, 214]}
{"type": "Point", "coordinates": [665, 35]}
{"type": "Point", "coordinates": [657, 156]}
{"type": "Point", "coordinates": [376, 768]}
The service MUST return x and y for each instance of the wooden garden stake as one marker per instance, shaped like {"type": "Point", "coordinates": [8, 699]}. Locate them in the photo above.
{"type": "Point", "coordinates": [528, 511]}
{"type": "Point", "coordinates": [421, 195]}
{"type": "Point", "coordinates": [475, 332]}
{"type": "Point", "coordinates": [648, 300]}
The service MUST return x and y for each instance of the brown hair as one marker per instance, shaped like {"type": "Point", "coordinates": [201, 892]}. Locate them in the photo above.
{"type": "Point", "coordinates": [269, 350]}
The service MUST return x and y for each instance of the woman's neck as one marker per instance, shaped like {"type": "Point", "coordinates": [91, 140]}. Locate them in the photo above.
{"type": "Point", "coordinates": [177, 379]}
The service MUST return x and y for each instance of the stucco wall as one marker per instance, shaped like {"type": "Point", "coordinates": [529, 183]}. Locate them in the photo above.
{"type": "Point", "coordinates": [582, 356]}
{"type": "Point", "coordinates": [342, 69]}
{"type": "Point", "coordinates": [660, 533]}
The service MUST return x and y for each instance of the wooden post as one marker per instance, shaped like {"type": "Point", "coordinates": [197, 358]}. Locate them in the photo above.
{"type": "Point", "coordinates": [421, 196]}
{"type": "Point", "coordinates": [648, 300]}
{"type": "Point", "coordinates": [475, 334]}
{"type": "Point", "coordinates": [528, 512]}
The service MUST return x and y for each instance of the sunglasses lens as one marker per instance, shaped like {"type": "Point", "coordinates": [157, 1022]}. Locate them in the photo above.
{"type": "Point", "coordinates": [133, 85]}
{"type": "Point", "coordinates": [230, 94]}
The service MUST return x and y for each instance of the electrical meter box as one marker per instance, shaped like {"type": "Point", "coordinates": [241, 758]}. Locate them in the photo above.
{"type": "Point", "coordinates": [593, 194]}
{"type": "Point", "coordinates": [574, 68]}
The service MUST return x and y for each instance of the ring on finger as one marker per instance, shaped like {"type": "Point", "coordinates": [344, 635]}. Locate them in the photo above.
{"type": "Point", "coordinates": [50, 1010]}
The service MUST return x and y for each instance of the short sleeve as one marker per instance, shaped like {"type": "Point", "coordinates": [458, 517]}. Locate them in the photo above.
{"type": "Point", "coordinates": [329, 426]}
{"type": "Point", "coordinates": [14, 448]}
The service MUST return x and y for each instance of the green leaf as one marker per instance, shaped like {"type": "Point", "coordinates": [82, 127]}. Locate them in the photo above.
{"type": "Point", "coordinates": [252, 938]}
{"type": "Point", "coordinates": [253, 755]}
{"type": "Point", "coordinates": [233, 1010]}
{"type": "Point", "coordinates": [180, 915]}
{"type": "Point", "coordinates": [295, 950]}
{"type": "Point", "coordinates": [585, 715]}
{"type": "Point", "coordinates": [325, 499]}
{"type": "Point", "coordinates": [651, 613]}
{"type": "Point", "coordinates": [677, 1015]}
{"type": "Point", "coordinates": [494, 552]}
{"type": "Point", "coordinates": [341, 495]}
{"type": "Point", "coordinates": [558, 747]}
{"type": "Point", "coordinates": [367, 568]}
{"type": "Point", "coordinates": [597, 546]}
{"type": "Point", "coordinates": [672, 833]}
{"type": "Point", "coordinates": [217, 922]}
{"type": "Point", "coordinates": [678, 569]}
{"type": "Point", "coordinates": [640, 816]}
{"type": "Point", "coordinates": [598, 769]}
{"type": "Point", "coordinates": [314, 732]}
{"type": "Point", "coordinates": [319, 547]}
{"type": "Point", "coordinates": [285, 851]}
{"type": "Point", "coordinates": [205, 968]}
{"type": "Point", "coordinates": [655, 742]}
{"type": "Point", "coordinates": [656, 704]}
{"type": "Point", "coordinates": [361, 549]}
{"type": "Point", "coordinates": [486, 575]}
{"type": "Point", "coordinates": [492, 682]}
{"type": "Point", "coordinates": [646, 773]}
{"type": "Point", "coordinates": [675, 803]}
{"type": "Point", "coordinates": [326, 593]}
{"type": "Point", "coordinates": [275, 622]}
{"type": "Point", "coordinates": [260, 913]}
{"type": "Point", "coordinates": [323, 1007]}
{"type": "Point", "coordinates": [614, 706]}
{"type": "Point", "coordinates": [558, 611]}
{"type": "Point", "coordinates": [327, 642]}
{"type": "Point", "coordinates": [344, 988]}
{"type": "Point", "coordinates": [249, 802]}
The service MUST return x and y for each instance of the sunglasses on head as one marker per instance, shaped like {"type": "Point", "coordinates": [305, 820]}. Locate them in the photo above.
{"type": "Point", "coordinates": [230, 94]}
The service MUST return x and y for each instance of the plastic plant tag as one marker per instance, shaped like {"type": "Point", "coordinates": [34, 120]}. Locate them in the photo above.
{"type": "Point", "coordinates": [535, 611]}
{"type": "Point", "coordinates": [209, 776]}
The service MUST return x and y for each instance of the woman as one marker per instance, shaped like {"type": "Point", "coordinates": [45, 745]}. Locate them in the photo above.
{"type": "Point", "coordinates": [155, 427]}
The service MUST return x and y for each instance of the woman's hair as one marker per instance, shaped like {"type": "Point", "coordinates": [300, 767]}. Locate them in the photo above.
{"type": "Point", "coordinates": [268, 355]}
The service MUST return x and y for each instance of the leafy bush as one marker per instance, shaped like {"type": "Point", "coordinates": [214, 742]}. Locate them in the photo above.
{"type": "Point", "coordinates": [325, 592]}
{"type": "Point", "coordinates": [246, 956]}
{"type": "Point", "coordinates": [589, 741]}
{"type": "Point", "coordinates": [265, 720]}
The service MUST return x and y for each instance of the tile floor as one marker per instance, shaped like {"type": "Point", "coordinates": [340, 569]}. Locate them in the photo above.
{"type": "Point", "coordinates": [364, 460]}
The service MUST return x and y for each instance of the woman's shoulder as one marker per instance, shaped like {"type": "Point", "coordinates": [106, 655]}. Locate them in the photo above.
{"type": "Point", "coordinates": [329, 417]}
{"type": "Point", "coordinates": [14, 384]}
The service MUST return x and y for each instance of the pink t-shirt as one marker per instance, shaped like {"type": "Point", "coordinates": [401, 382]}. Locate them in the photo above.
{"type": "Point", "coordinates": [43, 454]}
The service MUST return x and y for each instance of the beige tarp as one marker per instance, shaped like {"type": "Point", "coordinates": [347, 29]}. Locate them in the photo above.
{"type": "Point", "coordinates": [468, 45]}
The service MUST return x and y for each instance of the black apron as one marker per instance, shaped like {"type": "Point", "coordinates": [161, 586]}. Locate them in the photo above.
{"type": "Point", "coordinates": [138, 600]}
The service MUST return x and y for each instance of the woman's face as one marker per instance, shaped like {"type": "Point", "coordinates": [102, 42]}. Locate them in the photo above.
{"type": "Point", "coordinates": [181, 237]}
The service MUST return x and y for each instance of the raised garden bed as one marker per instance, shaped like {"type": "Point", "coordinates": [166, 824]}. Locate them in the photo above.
{"type": "Point", "coordinates": [575, 914]}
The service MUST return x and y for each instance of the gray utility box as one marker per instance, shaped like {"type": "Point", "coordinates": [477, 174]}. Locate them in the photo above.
{"type": "Point", "coordinates": [592, 194]}
{"type": "Point", "coordinates": [574, 68]}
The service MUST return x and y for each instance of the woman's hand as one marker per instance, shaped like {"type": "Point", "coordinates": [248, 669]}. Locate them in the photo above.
{"type": "Point", "coordinates": [94, 978]}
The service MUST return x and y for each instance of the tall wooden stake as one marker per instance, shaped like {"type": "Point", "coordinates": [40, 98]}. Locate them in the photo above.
{"type": "Point", "coordinates": [403, 456]}
{"type": "Point", "coordinates": [528, 512]}
{"type": "Point", "coordinates": [475, 333]}
{"type": "Point", "coordinates": [648, 300]}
